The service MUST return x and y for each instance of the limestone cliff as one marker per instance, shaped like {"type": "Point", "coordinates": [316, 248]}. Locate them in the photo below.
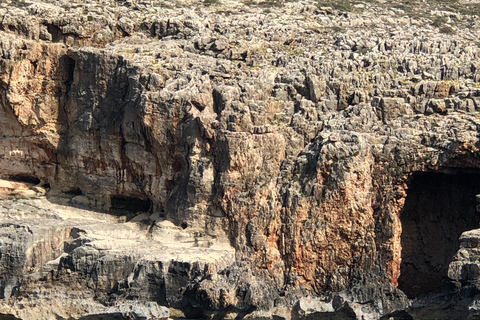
{"type": "Point", "coordinates": [261, 159]}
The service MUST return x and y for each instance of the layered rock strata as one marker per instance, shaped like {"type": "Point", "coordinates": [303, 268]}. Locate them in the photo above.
{"type": "Point", "coordinates": [284, 142]}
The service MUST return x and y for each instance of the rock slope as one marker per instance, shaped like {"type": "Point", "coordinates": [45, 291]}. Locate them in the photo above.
{"type": "Point", "coordinates": [316, 146]}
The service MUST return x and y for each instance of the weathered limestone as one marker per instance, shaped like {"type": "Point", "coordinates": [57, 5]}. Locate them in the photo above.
{"type": "Point", "coordinates": [91, 254]}
{"type": "Point", "coordinates": [256, 160]}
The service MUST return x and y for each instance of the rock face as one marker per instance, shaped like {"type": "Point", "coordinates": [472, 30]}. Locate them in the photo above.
{"type": "Point", "coordinates": [64, 271]}
{"type": "Point", "coordinates": [259, 159]}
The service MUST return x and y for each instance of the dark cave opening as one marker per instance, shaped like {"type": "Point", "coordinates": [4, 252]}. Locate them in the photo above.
{"type": "Point", "coordinates": [56, 32]}
{"type": "Point", "coordinates": [25, 179]}
{"type": "Point", "coordinates": [74, 192]}
{"type": "Point", "coordinates": [124, 204]}
{"type": "Point", "coordinates": [438, 208]}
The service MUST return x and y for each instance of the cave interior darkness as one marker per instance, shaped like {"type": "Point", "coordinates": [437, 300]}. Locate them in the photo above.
{"type": "Point", "coordinates": [439, 206]}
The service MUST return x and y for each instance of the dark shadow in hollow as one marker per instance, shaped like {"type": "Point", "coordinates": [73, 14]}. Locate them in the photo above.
{"type": "Point", "coordinates": [124, 204]}
{"type": "Point", "coordinates": [56, 32]}
{"type": "Point", "coordinates": [438, 208]}
{"type": "Point", "coordinates": [25, 179]}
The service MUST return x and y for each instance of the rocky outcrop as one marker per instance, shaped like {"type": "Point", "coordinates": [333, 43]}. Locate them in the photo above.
{"type": "Point", "coordinates": [257, 161]}
{"type": "Point", "coordinates": [63, 271]}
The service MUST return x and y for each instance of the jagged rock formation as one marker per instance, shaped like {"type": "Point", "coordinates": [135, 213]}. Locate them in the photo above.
{"type": "Point", "coordinates": [290, 146]}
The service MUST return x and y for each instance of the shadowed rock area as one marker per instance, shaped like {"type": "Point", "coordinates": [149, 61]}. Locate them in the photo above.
{"type": "Point", "coordinates": [438, 208]}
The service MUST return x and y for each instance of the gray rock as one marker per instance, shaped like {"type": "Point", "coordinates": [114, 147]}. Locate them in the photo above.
{"type": "Point", "coordinates": [252, 158]}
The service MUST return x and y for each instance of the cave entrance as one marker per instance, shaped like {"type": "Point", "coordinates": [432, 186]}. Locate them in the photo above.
{"type": "Point", "coordinates": [438, 208]}
{"type": "Point", "coordinates": [124, 204]}
{"type": "Point", "coordinates": [25, 179]}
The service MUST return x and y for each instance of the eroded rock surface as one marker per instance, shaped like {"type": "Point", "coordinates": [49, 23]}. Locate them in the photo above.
{"type": "Point", "coordinates": [61, 258]}
{"type": "Point", "coordinates": [262, 156]}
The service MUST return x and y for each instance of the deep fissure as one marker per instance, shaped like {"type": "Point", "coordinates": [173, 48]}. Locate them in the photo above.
{"type": "Point", "coordinates": [438, 208]}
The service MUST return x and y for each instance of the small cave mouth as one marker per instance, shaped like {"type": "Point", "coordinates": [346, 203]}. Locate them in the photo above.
{"type": "Point", "coordinates": [56, 32]}
{"type": "Point", "coordinates": [74, 192]}
{"type": "Point", "coordinates": [438, 208]}
{"type": "Point", "coordinates": [25, 179]}
{"type": "Point", "coordinates": [124, 204]}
